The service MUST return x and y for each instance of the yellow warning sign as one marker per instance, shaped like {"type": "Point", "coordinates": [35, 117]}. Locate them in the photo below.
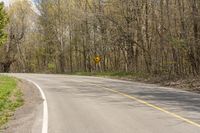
{"type": "Point", "coordinates": [97, 59]}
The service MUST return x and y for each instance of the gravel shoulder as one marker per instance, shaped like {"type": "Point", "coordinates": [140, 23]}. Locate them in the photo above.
{"type": "Point", "coordinates": [186, 83]}
{"type": "Point", "coordinates": [29, 115]}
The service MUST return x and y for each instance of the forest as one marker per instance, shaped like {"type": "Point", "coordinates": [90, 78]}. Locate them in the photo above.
{"type": "Point", "coordinates": [156, 37]}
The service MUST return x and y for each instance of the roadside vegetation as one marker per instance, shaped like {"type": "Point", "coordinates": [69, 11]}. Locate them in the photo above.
{"type": "Point", "coordinates": [125, 75]}
{"type": "Point", "coordinates": [10, 98]}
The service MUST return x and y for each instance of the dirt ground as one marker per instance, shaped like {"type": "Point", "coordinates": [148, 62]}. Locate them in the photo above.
{"type": "Point", "coordinates": [25, 117]}
{"type": "Point", "coordinates": [191, 84]}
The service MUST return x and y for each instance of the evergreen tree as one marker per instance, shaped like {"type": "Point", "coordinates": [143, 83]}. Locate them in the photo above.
{"type": "Point", "coordinates": [3, 23]}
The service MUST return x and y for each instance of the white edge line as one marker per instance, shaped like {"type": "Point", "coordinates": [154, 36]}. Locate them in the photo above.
{"type": "Point", "coordinates": [45, 108]}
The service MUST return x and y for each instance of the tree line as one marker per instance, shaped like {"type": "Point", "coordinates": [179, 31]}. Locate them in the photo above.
{"type": "Point", "coordinates": [158, 37]}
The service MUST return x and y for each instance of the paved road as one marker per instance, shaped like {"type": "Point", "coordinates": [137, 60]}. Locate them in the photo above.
{"type": "Point", "coordinates": [78, 104]}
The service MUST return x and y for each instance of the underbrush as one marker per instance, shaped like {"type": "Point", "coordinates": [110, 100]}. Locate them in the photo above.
{"type": "Point", "coordinates": [10, 98]}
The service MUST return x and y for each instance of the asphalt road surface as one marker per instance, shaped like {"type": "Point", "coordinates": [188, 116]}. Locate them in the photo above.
{"type": "Point", "coordinates": [80, 104]}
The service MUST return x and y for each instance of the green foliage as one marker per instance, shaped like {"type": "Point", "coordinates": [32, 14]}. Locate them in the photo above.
{"type": "Point", "coordinates": [10, 98]}
{"type": "Point", "coordinates": [3, 23]}
{"type": "Point", "coordinates": [179, 43]}
{"type": "Point", "coordinates": [114, 74]}
{"type": "Point", "coordinates": [51, 67]}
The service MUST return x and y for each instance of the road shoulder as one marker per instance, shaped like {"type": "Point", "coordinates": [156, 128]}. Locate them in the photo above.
{"type": "Point", "coordinates": [28, 116]}
{"type": "Point", "coordinates": [190, 83]}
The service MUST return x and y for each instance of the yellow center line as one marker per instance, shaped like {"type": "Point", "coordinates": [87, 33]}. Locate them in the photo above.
{"type": "Point", "coordinates": [151, 105]}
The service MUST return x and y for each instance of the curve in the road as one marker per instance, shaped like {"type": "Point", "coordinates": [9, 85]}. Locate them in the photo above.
{"type": "Point", "coordinates": [150, 105]}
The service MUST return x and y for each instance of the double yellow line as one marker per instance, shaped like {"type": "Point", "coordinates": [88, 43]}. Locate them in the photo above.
{"type": "Point", "coordinates": [150, 105]}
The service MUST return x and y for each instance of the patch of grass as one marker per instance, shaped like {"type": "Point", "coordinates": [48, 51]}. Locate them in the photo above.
{"type": "Point", "coordinates": [129, 75]}
{"type": "Point", "coordinates": [10, 98]}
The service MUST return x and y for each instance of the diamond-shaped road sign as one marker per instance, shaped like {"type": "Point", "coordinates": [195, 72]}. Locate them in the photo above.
{"type": "Point", "coordinates": [97, 59]}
